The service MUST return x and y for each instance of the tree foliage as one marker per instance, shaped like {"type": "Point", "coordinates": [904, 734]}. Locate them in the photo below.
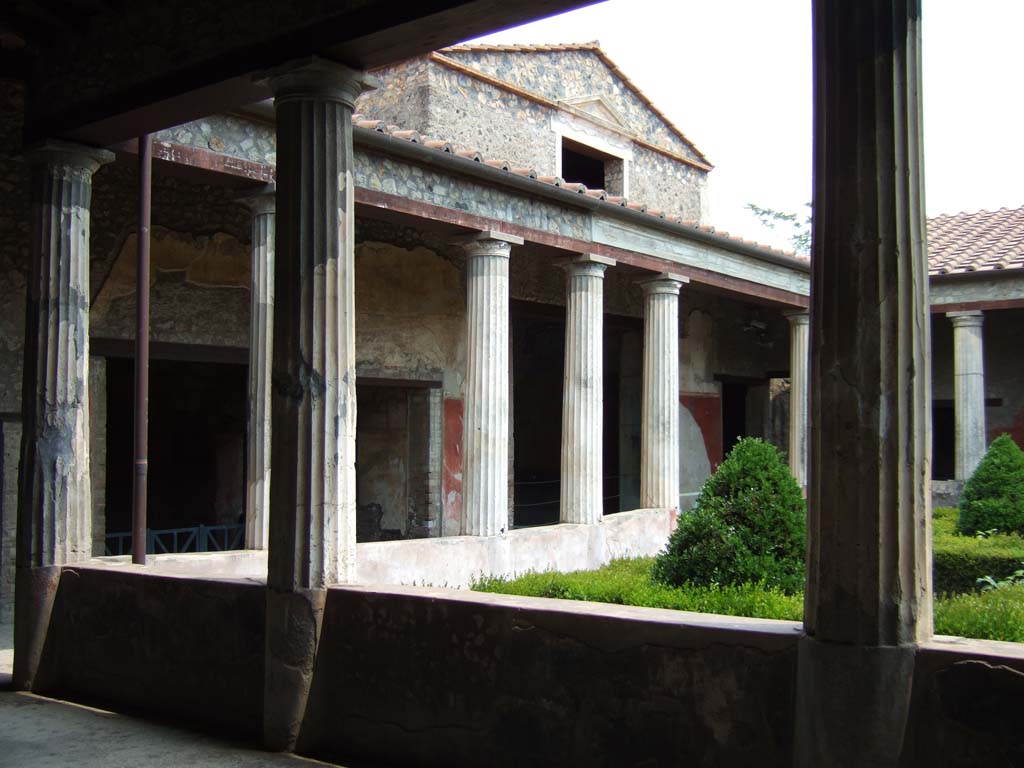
{"type": "Point", "coordinates": [798, 226]}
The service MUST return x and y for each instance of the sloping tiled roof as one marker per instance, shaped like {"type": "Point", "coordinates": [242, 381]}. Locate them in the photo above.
{"type": "Point", "coordinates": [986, 241]}
{"type": "Point", "coordinates": [363, 122]}
{"type": "Point", "coordinates": [595, 47]}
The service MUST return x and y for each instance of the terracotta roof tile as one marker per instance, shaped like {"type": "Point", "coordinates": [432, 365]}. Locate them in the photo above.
{"type": "Point", "coordinates": [986, 241]}
{"type": "Point", "coordinates": [444, 146]}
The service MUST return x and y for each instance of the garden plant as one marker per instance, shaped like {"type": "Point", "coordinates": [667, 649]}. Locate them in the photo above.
{"type": "Point", "coordinates": [748, 526]}
{"type": "Point", "coordinates": [993, 497]}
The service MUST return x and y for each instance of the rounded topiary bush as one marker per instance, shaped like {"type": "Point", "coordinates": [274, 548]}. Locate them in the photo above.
{"type": "Point", "coordinates": [749, 525]}
{"type": "Point", "coordinates": [993, 497]}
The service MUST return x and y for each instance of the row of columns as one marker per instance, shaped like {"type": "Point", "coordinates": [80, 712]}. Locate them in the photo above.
{"type": "Point", "coordinates": [485, 455]}
{"type": "Point", "coordinates": [487, 405]}
{"type": "Point", "coordinates": [968, 392]}
{"type": "Point", "coordinates": [868, 597]}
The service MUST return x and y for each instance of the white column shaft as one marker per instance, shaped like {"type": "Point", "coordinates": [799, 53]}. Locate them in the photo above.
{"type": "Point", "coordinates": [583, 395]}
{"type": "Point", "coordinates": [659, 442]}
{"type": "Point", "coordinates": [969, 391]}
{"type": "Point", "coordinates": [261, 353]}
{"type": "Point", "coordinates": [799, 333]}
{"type": "Point", "coordinates": [55, 503]}
{"type": "Point", "coordinates": [485, 450]}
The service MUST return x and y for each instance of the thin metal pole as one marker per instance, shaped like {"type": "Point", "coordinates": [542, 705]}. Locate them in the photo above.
{"type": "Point", "coordinates": [142, 353]}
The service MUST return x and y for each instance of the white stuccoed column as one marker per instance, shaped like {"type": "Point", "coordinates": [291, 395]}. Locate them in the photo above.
{"type": "Point", "coordinates": [969, 390]}
{"type": "Point", "coordinates": [486, 421]}
{"type": "Point", "coordinates": [799, 395]}
{"type": "Point", "coordinates": [583, 391]}
{"type": "Point", "coordinates": [659, 441]}
{"type": "Point", "coordinates": [55, 495]}
{"type": "Point", "coordinates": [312, 537]}
{"type": "Point", "coordinates": [261, 352]}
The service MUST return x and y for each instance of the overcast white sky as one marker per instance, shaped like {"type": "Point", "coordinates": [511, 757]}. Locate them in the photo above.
{"type": "Point", "coordinates": [735, 77]}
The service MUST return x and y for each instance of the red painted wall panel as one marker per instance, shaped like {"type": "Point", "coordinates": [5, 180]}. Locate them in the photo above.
{"type": "Point", "coordinates": [707, 412]}
{"type": "Point", "coordinates": [451, 477]}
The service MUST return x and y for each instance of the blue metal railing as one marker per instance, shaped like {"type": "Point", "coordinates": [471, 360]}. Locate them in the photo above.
{"type": "Point", "coordinates": [201, 538]}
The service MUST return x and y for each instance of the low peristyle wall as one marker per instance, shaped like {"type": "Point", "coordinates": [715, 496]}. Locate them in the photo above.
{"type": "Point", "coordinates": [424, 677]}
{"type": "Point", "coordinates": [188, 650]}
{"type": "Point", "coordinates": [415, 676]}
{"type": "Point", "coordinates": [455, 561]}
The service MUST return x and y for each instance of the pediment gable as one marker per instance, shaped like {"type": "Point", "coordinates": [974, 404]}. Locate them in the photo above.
{"type": "Point", "coordinates": [599, 108]}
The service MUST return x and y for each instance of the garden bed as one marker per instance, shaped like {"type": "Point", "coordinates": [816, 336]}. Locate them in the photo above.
{"type": "Point", "coordinates": [993, 615]}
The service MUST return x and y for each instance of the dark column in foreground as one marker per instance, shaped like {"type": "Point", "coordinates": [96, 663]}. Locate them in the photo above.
{"type": "Point", "coordinates": [868, 600]}
{"type": "Point", "coordinates": [312, 533]}
{"type": "Point", "coordinates": [54, 495]}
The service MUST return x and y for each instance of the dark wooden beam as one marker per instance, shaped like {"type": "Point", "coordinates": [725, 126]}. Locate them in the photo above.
{"type": "Point", "coordinates": [197, 61]}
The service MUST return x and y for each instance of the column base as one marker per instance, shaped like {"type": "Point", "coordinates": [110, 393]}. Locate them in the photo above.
{"type": "Point", "coordinates": [852, 704]}
{"type": "Point", "coordinates": [294, 620]}
{"type": "Point", "coordinates": [35, 591]}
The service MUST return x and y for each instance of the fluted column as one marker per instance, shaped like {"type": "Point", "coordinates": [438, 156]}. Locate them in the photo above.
{"type": "Point", "coordinates": [261, 353]}
{"type": "Point", "coordinates": [969, 390]}
{"type": "Point", "coordinates": [485, 431]}
{"type": "Point", "coordinates": [799, 332]}
{"type": "Point", "coordinates": [312, 497]}
{"type": "Point", "coordinates": [868, 596]}
{"type": "Point", "coordinates": [659, 436]}
{"type": "Point", "coordinates": [55, 496]}
{"type": "Point", "coordinates": [583, 391]}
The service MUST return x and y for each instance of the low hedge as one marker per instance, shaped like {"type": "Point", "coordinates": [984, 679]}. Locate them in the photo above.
{"type": "Point", "coordinates": [628, 582]}
{"type": "Point", "coordinates": [997, 614]}
{"type": "Point", "coordinates": [959, 561]}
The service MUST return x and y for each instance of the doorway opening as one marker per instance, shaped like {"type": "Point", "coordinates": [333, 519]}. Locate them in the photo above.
{"type": "Point", "coordinates": [397, 492]}
{"type": "Point", "coordinates": [196, 475]}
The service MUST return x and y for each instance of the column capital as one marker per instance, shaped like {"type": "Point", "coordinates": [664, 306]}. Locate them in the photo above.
{"type": "Point", "coordinates": [262, 200]}
{"type": "Point", "coordinates": [314, 77]}
{"type": "Point", "coordinates": [798, 317]}
{"type": "Point", "coordinates": [590, 264]}
{"type": "Point", "coordinates": [488, 243]}
{"type": "Point", "coordinates": [76, 159]}
{"type": "Point", "coordinates": [666, 282]}
{"type": "Point", "coordinates": [969, 319]}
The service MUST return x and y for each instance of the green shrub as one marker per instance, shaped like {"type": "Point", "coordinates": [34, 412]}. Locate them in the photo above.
{"type": "Point", "coordinates": [997, 614]}
{"type": "Point", "coordinates": [959, 561]}
{"type": "Point", "coordinates": [748, 526]}
{"type": "Point", "coordinates": [993, 497]}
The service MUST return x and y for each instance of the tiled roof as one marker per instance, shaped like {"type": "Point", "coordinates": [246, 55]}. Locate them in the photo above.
{"type": "Point", "coordinates": [594, 46]}
{"type": "Point", "coordinates": [362, 122]}
{"type": "Point", "coordinates": [986, 241]}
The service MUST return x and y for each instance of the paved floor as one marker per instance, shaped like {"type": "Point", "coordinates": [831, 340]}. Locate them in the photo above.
{"type": "Point", "coordinates": [44, 733]}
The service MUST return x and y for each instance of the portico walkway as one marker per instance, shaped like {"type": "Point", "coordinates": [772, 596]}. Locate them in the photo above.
{"type": "Point", "coordinates": [36, 732]}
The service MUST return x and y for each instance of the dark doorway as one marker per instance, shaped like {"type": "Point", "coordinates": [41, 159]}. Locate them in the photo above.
{"type": "Point", "coordinates": [393, 496]}
{"type": "Point", "coordinates": [734, 413]}
{"type": "Point", "coordinates": [538, 371]}
{"type": "Point", "coordinates": [943, 441]}
{"type": "Point", "coordinates": [538, 366]}
{"type": "Point", "coordinates": [196, 444]}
